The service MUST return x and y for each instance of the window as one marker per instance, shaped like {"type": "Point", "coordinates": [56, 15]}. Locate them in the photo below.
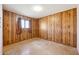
{"type": "Point", "coordinates": [25, 23]}
{"type": "Point", "coordinates": [22, 23]}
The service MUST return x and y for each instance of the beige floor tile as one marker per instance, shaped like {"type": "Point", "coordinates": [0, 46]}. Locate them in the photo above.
{"type": "Point", "coordinates": [38, 46]}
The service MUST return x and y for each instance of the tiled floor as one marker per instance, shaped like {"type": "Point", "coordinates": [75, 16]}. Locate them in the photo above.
{"type": "Point", "coordinates": [39, 47]}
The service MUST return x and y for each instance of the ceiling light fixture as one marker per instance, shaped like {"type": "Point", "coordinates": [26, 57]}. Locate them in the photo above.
{"type": "Point", "coordinates": [37, 8]}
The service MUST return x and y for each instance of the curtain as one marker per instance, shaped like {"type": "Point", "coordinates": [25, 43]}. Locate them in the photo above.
{"type": "Point", "coordinates": [18, 26]}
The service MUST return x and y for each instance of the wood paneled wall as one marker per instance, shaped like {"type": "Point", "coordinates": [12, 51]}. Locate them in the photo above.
{"type": "Point", "coordinates": [9, 28]}
{"type": "Point", "coordinates": [60, 27]}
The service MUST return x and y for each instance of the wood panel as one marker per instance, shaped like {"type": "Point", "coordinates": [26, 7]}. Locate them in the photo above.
{"type": "Point", "coordinates": [65, 27]}
{"type": "Point", "coordinates": [43, 27]}
{"type": "Point", "coordinates": [35, 28]}
{"type": "Point", "coordinates": [10, 25]}
{"type": "Point", "coordinates": [57, 24]}
{"type": "Point", "coordinates": [61, 27]}
{"type": "Point", "coordinates": [53, 28]}
{"type": "Point", "coordinates": [49, 27]}
{"type": "Point", "coordinates": [6, 26]}
{"type": "Point", "coordinates": [13, 27]}
{"type": "Point", "coordinates": [73, 27]}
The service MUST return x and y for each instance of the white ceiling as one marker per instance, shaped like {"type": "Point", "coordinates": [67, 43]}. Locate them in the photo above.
{"type": "Point", "coordinates": [48, 9]}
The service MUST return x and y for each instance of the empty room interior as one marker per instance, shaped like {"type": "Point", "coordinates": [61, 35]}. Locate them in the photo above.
{"type": "Point", "coordinates": [43, 29]}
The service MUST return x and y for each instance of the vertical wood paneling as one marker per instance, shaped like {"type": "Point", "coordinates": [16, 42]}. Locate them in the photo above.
{"type": "Point", "coordinates": [61, 27]}
{"type": "Point", "coordinates": [43, 27]}
{"type": "Point", "coordinates": [12, 26]}
{"type": "Point", "coordinates": [9, 28]}
{"type": "Point", "coordinates": [49, 27]}
{"type": "Point", "coordinates": [75, 27]}
{"type": "Point", "coordinates": [57, 18]}
{"type": "Point", "coordinates": [35, 28]}
{"type": "Point", "coordinates": [6, 26]}
{"type": "Point", "coordinates": [64, 29]}
{"type": "Point", "coordinates": [53, 27]}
